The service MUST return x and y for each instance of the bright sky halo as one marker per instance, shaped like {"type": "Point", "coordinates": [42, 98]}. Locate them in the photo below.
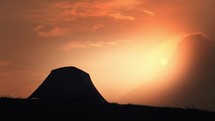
{"type": "Point", "coordinates": [164, 61]}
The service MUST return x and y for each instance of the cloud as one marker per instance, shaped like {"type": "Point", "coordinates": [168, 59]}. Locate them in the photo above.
{"type": "Point", "coordinates": [42, 31]}
{"type": "Point", "coordinates": [38, 28]}
{"type": "Point", "coordinates": [70, 12]}
{"type": "Point", "coordinates": [112, 43]}
{"type": "Point", "coordinates": [119, 16]}
{"type": "Point", "coordinates": [73, 45]}
{"type": "Point", "coordinates": [85, 44]}
{"type": "Point", "coordinates": [148, 12]}
{"type": "Point", "coordinates": [88, 9]}
{"type": "Point", "coordinates": [97, 27]}
{"type": "Point", "coordinates": [111, 8]}
{"type": "Point", "coordinates": [52, 18]}
{"type": "Point", "coordinates": [58, 14]}
{"type": "Point", "coordinates": [55, 32]}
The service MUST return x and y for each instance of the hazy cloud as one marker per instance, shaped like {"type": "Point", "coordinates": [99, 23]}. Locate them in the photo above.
{"type": "Point", "coordinates": [97, 26]}
{"type": "Point", "coordinates": [57, 14]}
{"type": "Point", "coordinates": [85, 44]}
{"type": "Point", "coordinates": [56, 31]}
{"type": "Point", "coordinates": [73, 45]}
{"type": "Point", "coordinates": [148, 12]}
{"type": "Point", "coordinates": [121, 17]}
{"type": "Point", "coordinates": [42, 31]}
{"type": "Point", "coordinates": [96, 8]}
{"type": "Point", "coordinates": [38, 28]}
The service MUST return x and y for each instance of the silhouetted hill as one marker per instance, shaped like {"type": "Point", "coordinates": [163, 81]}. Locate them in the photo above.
{"type": "Point", "coordinates": [68, 83]}
{"type": "Point", "coordinates": [188, 79]}
{"type": "Point", "coordinates": [41, 110]}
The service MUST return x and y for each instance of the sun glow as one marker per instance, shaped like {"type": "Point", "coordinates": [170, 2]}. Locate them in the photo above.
{"type": "Point", "coordinates": [164, 61]}
{"type": "Point", "coordinates": [137, 62]}
{"type": "Point", "coordinates": [130, 63]}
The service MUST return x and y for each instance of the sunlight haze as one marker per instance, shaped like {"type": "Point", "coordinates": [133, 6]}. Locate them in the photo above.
{"type": "Point", "coordinates": [122, 44]}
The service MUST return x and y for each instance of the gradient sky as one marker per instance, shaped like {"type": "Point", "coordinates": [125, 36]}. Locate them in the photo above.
{"type": "Point", "coordinates": [120, 43]}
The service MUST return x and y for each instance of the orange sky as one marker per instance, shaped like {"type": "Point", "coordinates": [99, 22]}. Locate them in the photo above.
{"type": "Point", "coordinates": [120, 43]}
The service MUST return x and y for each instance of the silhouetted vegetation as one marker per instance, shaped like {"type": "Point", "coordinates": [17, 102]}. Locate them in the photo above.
{"type": "Point", "coordinates": [36, 110]}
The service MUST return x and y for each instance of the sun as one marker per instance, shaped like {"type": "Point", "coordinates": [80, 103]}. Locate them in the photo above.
{"type": "Point", "coordinates": [164, 61]}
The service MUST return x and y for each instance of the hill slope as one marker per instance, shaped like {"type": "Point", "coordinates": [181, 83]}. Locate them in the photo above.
{"type": "Point", "coordinates": [37, 110]}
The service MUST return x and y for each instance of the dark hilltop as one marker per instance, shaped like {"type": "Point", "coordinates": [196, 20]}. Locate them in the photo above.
{"type": "Point", "coordinates": [68, 94]}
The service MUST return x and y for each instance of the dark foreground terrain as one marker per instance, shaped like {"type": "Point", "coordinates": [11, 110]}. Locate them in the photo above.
{"type": "Point", "coordinates": [37, 110]}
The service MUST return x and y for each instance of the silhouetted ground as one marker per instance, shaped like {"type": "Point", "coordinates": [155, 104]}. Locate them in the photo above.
{"type": "Point", "coordinates": [37, 110]}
